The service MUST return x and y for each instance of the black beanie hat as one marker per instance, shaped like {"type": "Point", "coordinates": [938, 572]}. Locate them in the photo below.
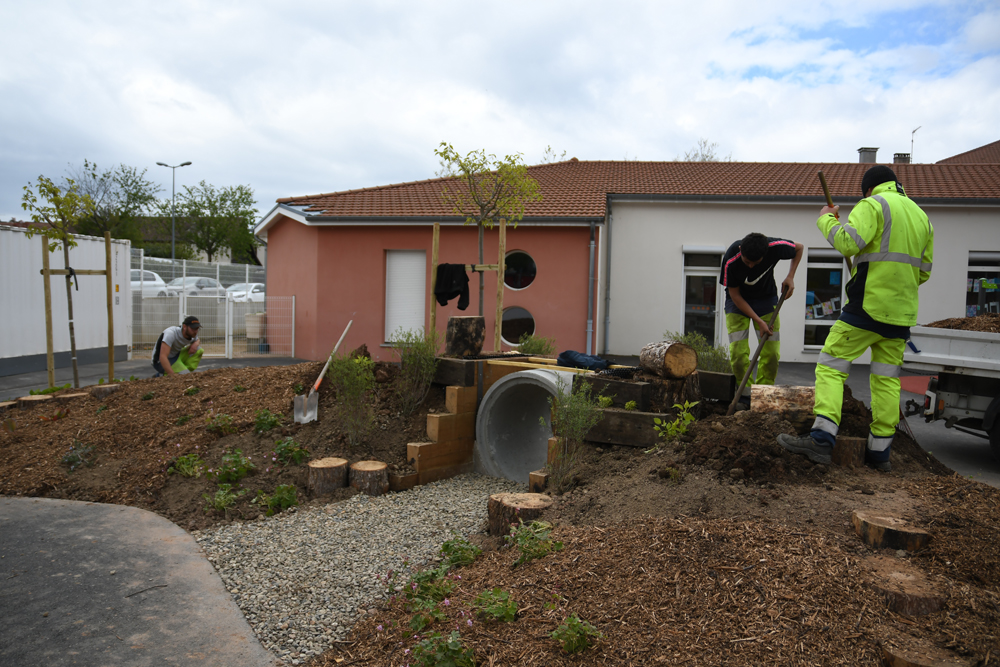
{"type": "Point", "coordinates": [876, 176]}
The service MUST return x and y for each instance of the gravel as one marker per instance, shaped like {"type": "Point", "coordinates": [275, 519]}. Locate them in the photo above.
{"type": "Point", "coordinates": [302, 578]}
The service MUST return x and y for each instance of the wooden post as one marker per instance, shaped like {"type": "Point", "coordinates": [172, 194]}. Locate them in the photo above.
{"type": "Point", "coordinates": [49, 356]}
{"type": "Point", "coordinates": [434, 267]}
{"type": "Point", "coordinates": [111, 312]}
{"type": "Point", "coordinates": [501, 261]}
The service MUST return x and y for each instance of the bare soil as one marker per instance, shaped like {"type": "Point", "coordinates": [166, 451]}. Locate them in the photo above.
{"type": "Point", "coordinates": [987, 323]}
{"type": "Point", "coordinates": [720, 548]}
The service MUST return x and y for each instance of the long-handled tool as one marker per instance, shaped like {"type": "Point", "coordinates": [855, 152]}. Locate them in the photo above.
{"type": "Point", "coordinates": [307, 407]}
{"type": "Point", "coordinates": [756, 355]}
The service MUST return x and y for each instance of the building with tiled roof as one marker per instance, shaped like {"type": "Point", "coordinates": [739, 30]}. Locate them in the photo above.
{"type": "Point", "coordinates": [988, 154]}
{"type": "Point", "coordinates": [618, 252]}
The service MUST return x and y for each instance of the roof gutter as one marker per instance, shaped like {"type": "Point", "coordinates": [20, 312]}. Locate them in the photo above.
{"type": "Point", "coordinates": [776, 199]}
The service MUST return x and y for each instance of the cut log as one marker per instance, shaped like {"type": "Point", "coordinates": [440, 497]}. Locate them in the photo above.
{"type": "Point", "coordinates": [327, 475]}
{"type": "Point", "coordinates": [506, 509]}
{"type": "Point", "coordinates": [849, 452]}
{"type": "Point", "coordinates": [7, 405]}
{"type": "Point", "coordinates": [25, 402]}
{"type": "Point", "coordinates": [537, 481]}
{"type": "Point", "coordinates": [370, 477]}
{"type": "Point", "coordinates": [669, 359]}
{"type": "Point", "coordinates": [66, 398]}
{"type": "Point", "coordinates": [465, 336]}
{"type": "Point", "coordinates": [103, 390]}
{"type": "Point", "coordinates": [880, 531]}
{"type": "Point", "coordinates": [908, 651]}
{"type": "Point", "coordinates": [905, 588]}
{"type": "Point", "coordinates": [793, 404]}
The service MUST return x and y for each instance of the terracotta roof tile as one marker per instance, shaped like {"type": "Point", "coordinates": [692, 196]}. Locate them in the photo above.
{"type": "Point", "coordinates": [579, 189]}
{"type": "Point", "coordinates": [988, 154]}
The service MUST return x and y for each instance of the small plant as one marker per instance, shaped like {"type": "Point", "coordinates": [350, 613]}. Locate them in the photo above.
{"type": "Point", "coordinates": [10, 425]}
{"type": "Point", "coordinates": [222, 499]}
{"type": "Point", "coordinates": [533, 541]}
{"type": "Point", "coordinates": [535, 345]}
{"type": "Point", "coordinates": [78, 455]}
{"type": "Point", "coordinates": [62, 413]}
{"type": "Point", "coordinates": [220, 424]}
{"type": "Point", "coordinates": [183, 420]}
{"type": "Point", "coordinates": [234, 467]}
{"type": "Point", "coordinates": [574, 413]}
{"type": "Point", "coordinates": [437, 650]}
{"type": "Point", "coordinates": [631, 405]}
{"type": "Point", "coordinates": [670, 431]}
{"type": "Point", "coordinates": [188, 465]}
{"type": "Point", "coordinates": [265, 420]}
{"type": "Point", "coordinates": [238, 388]}
{"type": "Point", "coordinates": [149, 396]}
{"type": "Point", "coordinates": [605, 401]}
{"type": "Point", "coordinates": [297, 388]}
{"type": "Point", "coordinates": [353, 379]}
{"type": "Point", "coordinates": [672, 474]}
{"type": "Point", "coordinates": [48, 390]}
{"type": "Point", "coordinates": [289, 453]}
{"type": "Point", "coordinates": [417, 353]}
{"type": "Point", "coordinates": [430, 584]}
{"type": "Point", "coordinates": [115, 380]}
{"type": "Point", "coordinates": [575, 635]}
{"type": "Point", "coordinates": [496, 604]}
{"type": "Point", "coordinates": [425, 612]}
{"type": "Point", "coordinates": [284, 496]}
{"type": "Point", "coordinates": [101, 409]}
{"type": "Point", "coordinates": [710, 358]}
{"type": "Point", "coordinates": [191, 391]}
{"type": "Point", "coordinates": [458, 551]}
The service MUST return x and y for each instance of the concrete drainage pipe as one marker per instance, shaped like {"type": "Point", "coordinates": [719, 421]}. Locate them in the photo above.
{"type": "Point", "coordinates": [510, 440]}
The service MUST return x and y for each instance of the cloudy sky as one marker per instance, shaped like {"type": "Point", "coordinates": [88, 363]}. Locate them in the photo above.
{"type": "Point", "coordinates": [297, 98]}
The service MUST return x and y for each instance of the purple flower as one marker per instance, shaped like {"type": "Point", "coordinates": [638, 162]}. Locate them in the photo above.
{"type": "Point", "coordinates": [406, 652]}
{"type": "Point", "coordinates": [379, 628]}
{"type": "Point", "coordinates": [447, 602]}
{"type": "Point", "coordinates": [469, 622]}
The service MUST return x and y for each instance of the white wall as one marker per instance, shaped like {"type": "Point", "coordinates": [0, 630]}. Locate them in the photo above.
{"type": "Point", "coordinates": [647, 263]}
{"type": "Point", "coordinates": [22, 298]}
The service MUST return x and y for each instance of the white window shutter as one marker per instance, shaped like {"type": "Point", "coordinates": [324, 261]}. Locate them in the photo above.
{"type": "Point", "coordinates": [405, 290]}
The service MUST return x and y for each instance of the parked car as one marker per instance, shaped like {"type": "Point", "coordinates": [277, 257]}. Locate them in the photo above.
{"type": "Point", "coordinates": [253, 292]}
{"type": "Point", "coordinates": [195, 286]}
{"type": "Point", "coordinates": [150, 283]}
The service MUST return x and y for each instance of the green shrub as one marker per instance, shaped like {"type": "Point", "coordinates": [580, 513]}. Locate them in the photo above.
{"type": "Point", "coordinates": [575, 635]}
{"type": "Point", "coordinates": [631, 405]}
{"type": "Point", "coordinates": [710, 358]}
{"type": "Point", "coordinates": [265, 420]}
{"type": "Point", "coordinates": [573, 414]}
{"type": "Point", "coordinates": [458, 551]}
{"type": "Point", "coordinates": [417, 353]}
{"type": "Point", "coordinates": [234, 467]}
{"type": "Point", "coordinates": [496, 604]}
{"type": "Point", "coordinates": [439, 651]}
{"type": "Point", "coordinates": [284, 496]}
{"type": "Point", "coordinates": [354, 381]}
{"type": "Point", "coordinates": [425, 612]}
{"type": "Point", "coordinates": [670, 431]}
{"type": "Point", "coordinates": [429, 584]}
{"type": "Point", "coordinates": [288, 452]}
{"type": "Point", "coordinates": [220, 424]}
{"type": "Point", "coordinates": [222, 499]}
{"type": "Point", "coordinates": [535, 346]}
{"type": "Point", "coordinates": [48, 390]}
{"type": "Point", "coordinates": [605, 401]}
{"type": "Point", "coordinates": [532, 541]}
{"type": "Point", "coordinates": [188, 465]}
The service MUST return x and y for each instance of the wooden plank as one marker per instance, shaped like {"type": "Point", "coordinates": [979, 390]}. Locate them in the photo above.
{"type": "Point", "coordinates": [457, 372]}
{"type": "Point", "coordinates": [435, 242]}
{"type": "Point", "coordinates": [501, 251]}
{"type": "Point", "coordinates": [621, 392]}
{"type": "Point", "coordinates": [450, 426]}
{"type": "Point", "coordinates": [526, 365]}
{"type": "Point", "coordinates": [630, 428]}
{"type": "Point", "coordinates": [50, 363]}
{"type": "Point", "coordinates": [403, 482]}
{"type": "Point", "coordinates": [79, 272]}
{"type": "Point", "coordinates": [717, 386]}
{"type": "Point", "coordinates": [460, 399]}
{"type": "Point", "coordinates": [494, 371]}
{"type": "Point", "coordinates": [428, 476]}
{"type": "Point", "coordinates": [429, 455]}
{"type": "Point", "coordinates": [553, 451]}
{"type": "Point", "coordinates": [537, 481]}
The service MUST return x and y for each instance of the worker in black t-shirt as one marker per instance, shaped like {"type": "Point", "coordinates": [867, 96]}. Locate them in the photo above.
{"type": "Point", "coordinates": [748, 276]}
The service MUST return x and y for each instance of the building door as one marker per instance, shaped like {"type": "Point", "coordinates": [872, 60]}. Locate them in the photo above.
{"type": "Point", "coordinates": [405, 290]}
{"type": "Point", "coordinates": [703, 295]}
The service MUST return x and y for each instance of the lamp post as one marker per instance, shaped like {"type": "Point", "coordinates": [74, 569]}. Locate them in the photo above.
{"type": "Point", "coordinates": [911, 141]}
{"type": "Point", "coordinates": [173, 190]}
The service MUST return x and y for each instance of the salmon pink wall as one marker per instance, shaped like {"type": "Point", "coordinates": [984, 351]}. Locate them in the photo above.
{"type": "Point", "coordinates": [348, 280]}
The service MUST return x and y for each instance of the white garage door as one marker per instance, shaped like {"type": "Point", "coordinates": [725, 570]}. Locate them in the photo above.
{"type": "Point", "coordinates": [405, 290]}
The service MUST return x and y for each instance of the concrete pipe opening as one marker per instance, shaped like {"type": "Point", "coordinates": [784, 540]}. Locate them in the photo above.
{"type": "Point", "coordinates": [511, 439]}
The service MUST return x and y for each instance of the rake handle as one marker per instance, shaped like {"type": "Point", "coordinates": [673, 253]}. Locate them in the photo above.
{"type": "Point", "coordinates": [753, 361]}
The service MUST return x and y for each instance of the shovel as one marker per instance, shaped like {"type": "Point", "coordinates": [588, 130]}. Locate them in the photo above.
{"type": "Point", "coordinates": [307, 407]}
{"type": "Point", "coordinates": [753, 362]}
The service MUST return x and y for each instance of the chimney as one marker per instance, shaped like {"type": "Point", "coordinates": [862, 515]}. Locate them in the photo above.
{"type": "Point", "coordinates": [867, 155]}
{"type": "Point", "coordinates": [901, 158]}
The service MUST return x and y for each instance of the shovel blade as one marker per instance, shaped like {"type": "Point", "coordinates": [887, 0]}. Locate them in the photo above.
{"type": "Point", "coordinates": [306, 408]}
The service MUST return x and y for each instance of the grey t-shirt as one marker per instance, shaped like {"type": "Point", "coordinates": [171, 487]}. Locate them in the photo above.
{"type": "Point", "coordinates": [176, 340]}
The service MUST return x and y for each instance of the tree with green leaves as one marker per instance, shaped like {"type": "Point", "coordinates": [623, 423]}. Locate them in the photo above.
{"type": "Point", "coordinates": [58, 211]}
{"type": "Point", "coordinates": [122, 198]}
{"type": "Point", "coordinates": [215, 219]}
{"type": "Point", "coordinates": [486, 190]}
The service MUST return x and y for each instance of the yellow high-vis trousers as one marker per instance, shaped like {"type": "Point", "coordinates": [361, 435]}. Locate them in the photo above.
{"type": "Point", "coordinates": [187, 363]}
{"type": "Point", "coordinates": [739, 325]}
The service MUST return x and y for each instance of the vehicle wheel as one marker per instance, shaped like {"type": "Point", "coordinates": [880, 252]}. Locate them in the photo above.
{"type": "Point", "coordinates": [995, 439]}
{"type": "Point", "coordinates": [162, 294]}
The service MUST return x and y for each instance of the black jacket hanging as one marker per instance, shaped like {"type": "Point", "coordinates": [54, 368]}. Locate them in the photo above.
{"type": "Point", "coordinates": [452, 281]}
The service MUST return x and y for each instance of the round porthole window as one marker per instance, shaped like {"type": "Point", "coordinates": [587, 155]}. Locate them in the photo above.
{"type": "Point", "coordinates": [516, 322]}
{"type": "Point", "coordinates": [519, 269]}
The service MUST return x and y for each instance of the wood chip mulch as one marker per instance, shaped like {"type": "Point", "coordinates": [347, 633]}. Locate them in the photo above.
{"type": "Point", "coordinates": [986, 323]}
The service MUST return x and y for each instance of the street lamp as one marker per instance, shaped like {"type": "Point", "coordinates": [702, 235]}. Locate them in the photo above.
{"type": "Point", "coordinates": [911, 141]}
{"type": "Point", "coordinates": [173, 189]}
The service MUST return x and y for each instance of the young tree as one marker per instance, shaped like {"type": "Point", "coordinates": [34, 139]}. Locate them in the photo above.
{"type": "Point", "coordinates": [485, 190]}
{"type": "Point", "coordinates": [704, 151]}
{"type": "Point", "coordinates": [217, 218]}
{"type": "Point", "coordinates": [61, 210]}
{"type": "Point", "coordinates": [122, 197]}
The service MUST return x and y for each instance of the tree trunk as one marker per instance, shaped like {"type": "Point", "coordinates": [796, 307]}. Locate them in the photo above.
{"type": "Point", "coordinates": [849, 452]}
{"type": "Point", "coordinates": [69, 307]}
{"type": "Point", "coordinates": [669, 359]}
{"type": "Point", "coordinates": [482, 277]}
{"type": "Point", "coordinates": [507, 509]}
{"type": "Point", "coordinates": [465, 336]}
{"type": "Point", "coordinates": [327, 475]}
{"type": "Point", "coordinates": [370, 477]}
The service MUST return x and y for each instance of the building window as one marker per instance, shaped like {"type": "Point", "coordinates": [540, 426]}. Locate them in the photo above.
{"type": "Point", "coordinates": [516, 322]}
{"type": "Point", "coordinates": [405, 292]}
{"type": "Point", "coordinates": [702, 293]}
{"type": "Point", "coordinates": [982, 293]}
{"type": "Point", "coordinates": [519, 269]}
{"type": "Point", "coordinates": [824, 294]}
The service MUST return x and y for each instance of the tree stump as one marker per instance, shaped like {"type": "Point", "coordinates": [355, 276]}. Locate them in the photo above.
{"type": "Point", "coordinates": [669, 359]}
{"type": "Point", "coordinates": [66, 398]}
{"type": "Point", "coordinates": [326, 475]}
{"type": "Point", "coordinates": [465, 336]}
{"type": "Point", "coordinates": [793, 404]}
{"type": "Point", "coordinates": [849, 452]}
{"type": "Point", "coordinates": [103, 390]}
{"type": "Point", "coordinates": [505, 509]}
{"type": "Point", "coordinates": [370, 477]}
{"type": "Point", "coordinates": [909, 651]}
{"type": "Point", "coordinates": [905, 588]}
{"type": "Point", "coordinates": [888, 532]}
{"type": "Point", "coordinates": [7, 405]}
{"type": "Point", "coordinates": [25, 402]}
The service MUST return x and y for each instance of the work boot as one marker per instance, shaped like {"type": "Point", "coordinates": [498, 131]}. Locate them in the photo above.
{"type": "Point", "coordinates": [881, 466]}
{"type": "Point", "coordinates": [806, 445]}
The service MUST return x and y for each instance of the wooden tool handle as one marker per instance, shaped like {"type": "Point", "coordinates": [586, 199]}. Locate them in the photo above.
{"type": "Point", "coordinates": [315, 387]}
{"type": "Point", "coordinates": [826, 193]}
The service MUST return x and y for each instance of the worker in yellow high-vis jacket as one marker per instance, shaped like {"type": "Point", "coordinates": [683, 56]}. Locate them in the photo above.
{"type": "Point", "coordinates": [892, 243]}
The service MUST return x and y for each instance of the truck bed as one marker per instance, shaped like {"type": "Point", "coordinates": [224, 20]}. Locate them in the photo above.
{"type": "Point", "coordinates": [953, 351]}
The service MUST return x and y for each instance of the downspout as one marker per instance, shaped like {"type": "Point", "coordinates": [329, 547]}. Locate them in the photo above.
{"type": "Point", "coordinates": [590, 294]}
{"type": "Point", "coordinates": [607, 278]}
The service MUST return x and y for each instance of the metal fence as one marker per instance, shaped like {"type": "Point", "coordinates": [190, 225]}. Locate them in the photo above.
{"type": "Point", "coordinates": [227, 274]}
{"type": "Point", "coordinates": [229, 328]}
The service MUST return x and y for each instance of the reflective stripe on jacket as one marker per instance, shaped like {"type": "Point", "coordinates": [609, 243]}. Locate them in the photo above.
{"type": "Point", "coordinates": [892, 242]}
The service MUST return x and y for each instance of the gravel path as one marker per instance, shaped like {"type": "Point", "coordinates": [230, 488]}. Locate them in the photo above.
{"type": "Point", "coordinates": [302, 578]}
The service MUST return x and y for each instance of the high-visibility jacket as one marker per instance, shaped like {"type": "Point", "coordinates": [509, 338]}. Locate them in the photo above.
{"type": "Point", "coordinates": [892, 242]}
